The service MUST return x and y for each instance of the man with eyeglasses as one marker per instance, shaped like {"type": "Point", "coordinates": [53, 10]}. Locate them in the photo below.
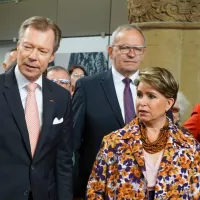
{"type": "Point", "coordinates": [106, 102]}
{"type": "Point", "coordinates": [59, 75]}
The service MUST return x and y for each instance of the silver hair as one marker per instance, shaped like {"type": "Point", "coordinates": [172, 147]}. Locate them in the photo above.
{"type": "Point", "coordinates": [6, 57]}
{"type": "Point", "coordinates": [57, 68]}
{"type": "Point", "coordinates": [182, 102]}
{"type": "Point", "coordinates": [126, 27]}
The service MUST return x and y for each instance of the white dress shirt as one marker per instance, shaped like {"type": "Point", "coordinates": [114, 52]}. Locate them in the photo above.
{"type": "Point", "coordinates": [22, 82]}
{"type": "Point", "coordinates": [119, 88]}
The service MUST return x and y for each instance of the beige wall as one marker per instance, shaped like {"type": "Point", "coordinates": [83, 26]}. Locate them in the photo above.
{"type": "Point", "coordinates": [12, 15]}
{"type": "Point", "coordinates": [75, 17]}
{"type": "Point", "coordinates": [177, 50]}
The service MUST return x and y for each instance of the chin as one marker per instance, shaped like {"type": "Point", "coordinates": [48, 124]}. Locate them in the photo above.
{"type": "Point", "coordinates": [144, 119]}
{"type": "Point", "coordinates": [32, 77]}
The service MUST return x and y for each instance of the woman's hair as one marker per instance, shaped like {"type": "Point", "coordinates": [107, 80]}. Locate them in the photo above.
{"type": "Point", "coordinates": [161, 79]}
{"type": "Point", "coordinates": [73, 67]}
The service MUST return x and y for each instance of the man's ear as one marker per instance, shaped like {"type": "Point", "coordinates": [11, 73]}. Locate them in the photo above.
{"type": "Point", "coordinates": [4, 66]}
{"type": "Point", "coordinates": [145, 52]}
{"type": "Point", "coordinates": [18, 45]}
{"type": "Point", "coordinates": [110, 51]}
{"type": "Point", "coordinates": [52, 57]}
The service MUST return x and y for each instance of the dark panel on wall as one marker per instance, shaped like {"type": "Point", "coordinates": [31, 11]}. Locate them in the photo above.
{"type": "Point", "coordinates": [13, 14]}
{"type": "Point", "coordinates": [83, 17]}
{"type": "Point", "coordinates": [119, 14]}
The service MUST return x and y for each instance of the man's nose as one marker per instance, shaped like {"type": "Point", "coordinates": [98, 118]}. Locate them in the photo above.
{"type": "Point", "coordinates": [131, 52]}
{"type": "Point", "coordinates": [33, 54]}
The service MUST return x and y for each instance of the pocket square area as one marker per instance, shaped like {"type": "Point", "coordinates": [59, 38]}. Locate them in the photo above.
{"type": "Point", "coordinates": [57, 121]}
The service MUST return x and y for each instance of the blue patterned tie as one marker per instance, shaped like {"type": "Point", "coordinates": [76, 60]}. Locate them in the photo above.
{"type": "Point", "coordinates": [128, 102]}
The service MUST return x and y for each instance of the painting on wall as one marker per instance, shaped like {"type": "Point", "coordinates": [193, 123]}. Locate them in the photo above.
{"type": "Point", "coordinates": [93, 62]}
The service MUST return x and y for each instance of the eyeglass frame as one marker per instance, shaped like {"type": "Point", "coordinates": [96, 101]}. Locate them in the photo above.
{"type": "Point", "coordinates": [130, 47]}
{"type": "Point", "coordinates": [61, 80]}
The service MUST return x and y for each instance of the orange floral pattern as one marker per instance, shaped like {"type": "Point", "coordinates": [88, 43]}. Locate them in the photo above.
{"type": "Point", "coordinates": [117, 173]}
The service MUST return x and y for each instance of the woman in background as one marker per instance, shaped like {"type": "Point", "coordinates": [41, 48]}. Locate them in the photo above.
{"type": "Point", "coordinates": [76, 72]}
{"type": "Point", "coordinates": [179, 107]}
{"type": "Point", "coordinates": [150, 158]}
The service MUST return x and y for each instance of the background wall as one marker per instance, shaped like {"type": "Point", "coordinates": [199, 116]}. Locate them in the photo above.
{"type": "Point", "coordinates": [177, 50]}
{"type": "Point", "coordinates": [83, 22]}
{"type": "Point", "coordinates": [76, 18]}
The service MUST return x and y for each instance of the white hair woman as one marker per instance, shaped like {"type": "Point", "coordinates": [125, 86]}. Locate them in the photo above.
{"type": "Point", "coordinates": [179, 107]}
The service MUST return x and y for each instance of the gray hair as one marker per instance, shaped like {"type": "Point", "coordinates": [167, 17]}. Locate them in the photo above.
{"type": "Point", "coordinates": [57, 68]}
{"type": "Point", "coordinates": [8, 54]}
{"type": "Point", "coordinates": [182, 102]}
{"type": "Point", "coordinates": [126, 27]}
{"type": "Point", "coordinates": [42, 24]}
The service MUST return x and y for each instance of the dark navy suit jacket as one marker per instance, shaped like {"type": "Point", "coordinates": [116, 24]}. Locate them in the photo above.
{"type": "Point", "coordinates": [48, 175]}
{"type": "Point", "coordinates": [96, 114]}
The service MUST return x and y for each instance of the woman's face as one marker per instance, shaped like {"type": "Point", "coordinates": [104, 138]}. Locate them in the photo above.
{"type": "Point", "coordinates": [151, 105]}
{"type": "Point", "coordinates": [76, 74]}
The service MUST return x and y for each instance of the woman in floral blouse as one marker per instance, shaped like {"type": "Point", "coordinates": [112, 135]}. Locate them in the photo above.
{"type": "Point", "coordinates": [150, 158]}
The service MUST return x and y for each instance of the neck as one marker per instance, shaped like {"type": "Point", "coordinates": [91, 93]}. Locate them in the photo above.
{"type": "Point", "coordinates": [127, 74]}
{"type": "Point", "coordinates": [153, 129]}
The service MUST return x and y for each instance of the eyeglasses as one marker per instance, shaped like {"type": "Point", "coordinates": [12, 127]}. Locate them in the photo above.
{"type": "Point", "coordinates": [75, 75]}
{"type": "Point", "coordinates": [125, 49]}
{"type": "Point", "coordinates": [175, 110]}
{"type": "Point", "coordinates": [62, 81]}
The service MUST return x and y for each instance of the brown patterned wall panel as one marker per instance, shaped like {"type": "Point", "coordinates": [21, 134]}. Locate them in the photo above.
{"type": "Point", "coordinates": [163, 10]}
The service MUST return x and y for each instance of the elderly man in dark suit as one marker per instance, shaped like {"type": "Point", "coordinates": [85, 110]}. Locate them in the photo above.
{"type": "Point", "coordinates": [35, 129]}
{"type": "Point", "coordinates": [105, 102]}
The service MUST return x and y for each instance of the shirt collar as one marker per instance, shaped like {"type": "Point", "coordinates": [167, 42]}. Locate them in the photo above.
{"type": "Point", "coordinates": [117, 77]}
{"type": "Point", "coordinates": [22, 81]}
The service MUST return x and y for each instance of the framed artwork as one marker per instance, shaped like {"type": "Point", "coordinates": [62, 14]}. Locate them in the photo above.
{"type": "Point", "coordinates": [89, 52]}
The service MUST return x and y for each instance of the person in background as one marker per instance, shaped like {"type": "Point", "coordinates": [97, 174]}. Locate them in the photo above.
{"type": "Point", "coordinates": [179, 107]}
{"type": "Point", "coordinates": [193, 122]}
{"type": "Point", "coordinates": [36, 139]}
{"type": "Point", "coordinates": [150, 158]}
{"type": "Point", "coordinates": [10, 59]}
{"type": "Point", "coordinates": [76, 72]}
{"type": "Point", "coordinates": [59, 75]}
{"type": "Point", "coordinates": [102, 102]}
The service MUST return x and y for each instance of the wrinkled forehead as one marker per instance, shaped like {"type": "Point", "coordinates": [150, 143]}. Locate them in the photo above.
{"type": "Point", "coordinates": [59, 74]}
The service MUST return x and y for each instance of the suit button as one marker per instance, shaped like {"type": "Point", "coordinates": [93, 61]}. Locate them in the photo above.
{"type": "Point", "coordinates": [25, 193]}
{"type": "Point", "coordinates": [32, 167]}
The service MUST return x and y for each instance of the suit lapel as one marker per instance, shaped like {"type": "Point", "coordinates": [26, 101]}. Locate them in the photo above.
{"type": "Point", "coordinates": [109, 89]}
{"type": "Point", "coordinates": [48, 108]}
{"type": "Point", "coordinates": [12, 95]}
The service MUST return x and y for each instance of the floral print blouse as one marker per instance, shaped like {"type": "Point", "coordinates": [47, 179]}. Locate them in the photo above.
{"type": "Point", "coordinates": [117, 173]}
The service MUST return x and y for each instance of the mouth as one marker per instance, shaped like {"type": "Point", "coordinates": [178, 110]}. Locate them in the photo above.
{"type": "Point", "coordinates": [131, 61]}
{"type": "Point", "coordinates": [143, 112]}
{"type": "Point", "coordinates": [30, 66]}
